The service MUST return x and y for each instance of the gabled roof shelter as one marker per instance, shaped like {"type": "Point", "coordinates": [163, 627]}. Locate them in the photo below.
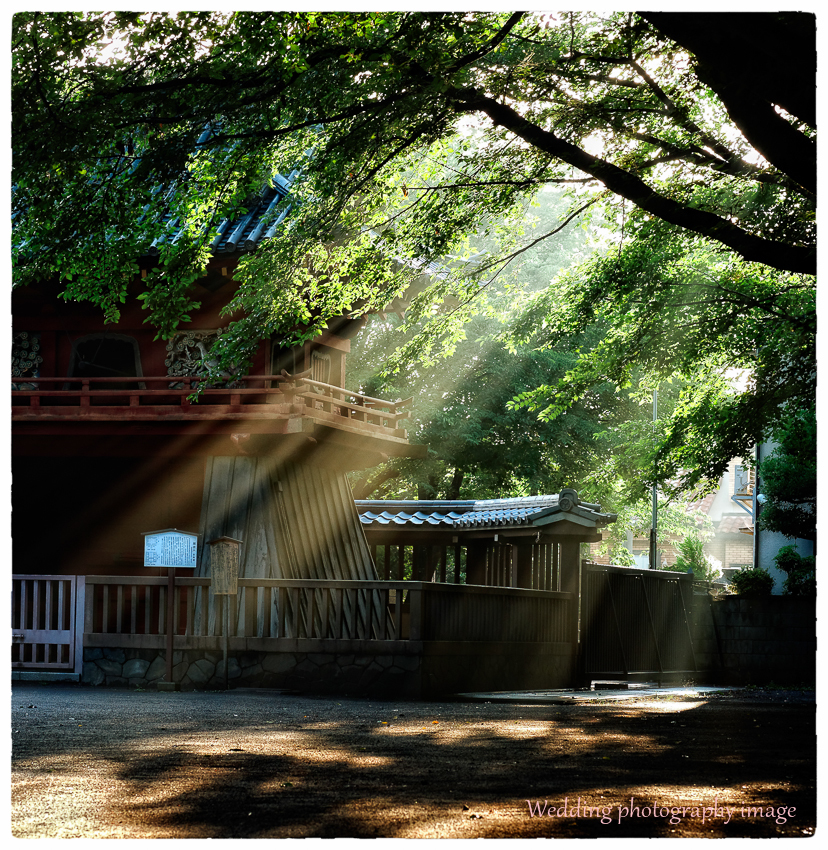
{"type": "Point", "coordinates": [521, 542]}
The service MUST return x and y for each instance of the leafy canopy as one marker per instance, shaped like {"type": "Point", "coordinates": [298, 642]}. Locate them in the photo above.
{"type": "Point", "coordinates": [109, 111]}
{"type": "Point", "coordinates": [420, 136]}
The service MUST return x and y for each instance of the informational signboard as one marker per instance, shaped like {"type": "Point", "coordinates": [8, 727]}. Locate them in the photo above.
{"type": "Point", "coordinates": [170, 548]}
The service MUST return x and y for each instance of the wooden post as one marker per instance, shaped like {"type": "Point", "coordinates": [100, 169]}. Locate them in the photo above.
{"type": "Point", "coordinates": [415, 629]}
{"type": "Point", "coordinates": [570, 572]}
{"type": "Point", "coordinates": [476, 563]}
{"type": "Point", "coordinates": [430, 567]}
{"type": "Point", "coordinates": [417, 566]}
{"type": "Point", "coordinates": [522, 565]}
{"type": "Point", "coordinates": [170, 617]}
{"type": "Point", "coordinates": [225, 643]}
{"type": "Point", "coordinates": [79, 622]}
{"type": "Point", "coordinates": [224, 578]}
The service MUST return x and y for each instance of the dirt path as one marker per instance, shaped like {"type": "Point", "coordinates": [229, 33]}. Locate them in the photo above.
{"type": "Point", "coordinates": [99, 763]}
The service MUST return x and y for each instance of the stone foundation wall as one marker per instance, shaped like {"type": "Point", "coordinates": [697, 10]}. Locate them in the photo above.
{"type": "Point", "coordinates": [755, 641]}
{"type": "Point", "coordinates": [431, 669]}
{"type": "Point", "coordinates": [318, 672]}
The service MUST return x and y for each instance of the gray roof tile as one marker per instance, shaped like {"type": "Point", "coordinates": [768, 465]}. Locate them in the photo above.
{"type": "Point", "coordinates": [481, 513]}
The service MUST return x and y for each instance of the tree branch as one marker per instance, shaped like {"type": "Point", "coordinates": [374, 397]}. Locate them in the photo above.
{"type": "Point", "coordinates": [753, 248]}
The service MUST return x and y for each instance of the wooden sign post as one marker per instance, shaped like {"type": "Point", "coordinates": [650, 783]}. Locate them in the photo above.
{"type": "Point", "coordinates": [170, 548]}
{"type": "Point", "coordinates": [224, 577]}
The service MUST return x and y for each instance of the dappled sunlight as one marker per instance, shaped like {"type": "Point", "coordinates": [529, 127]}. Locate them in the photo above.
{"type": "Point", "coordinates": [246, 764]}
{"type": "Point", "coordinates": [663, 706]}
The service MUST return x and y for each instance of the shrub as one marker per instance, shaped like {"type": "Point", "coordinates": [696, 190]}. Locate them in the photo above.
{"type": "Point", "coordinates": [691, 559]}
{"type": "Point", "coordinates": [801, 578]}
{"type": "Point", "coordinates": [752, 581]}
{"type": "Point", "coordinates": [622, 557]}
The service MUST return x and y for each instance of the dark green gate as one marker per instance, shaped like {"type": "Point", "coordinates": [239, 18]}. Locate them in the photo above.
{"type": "Point", "coordinates": [635, 624]}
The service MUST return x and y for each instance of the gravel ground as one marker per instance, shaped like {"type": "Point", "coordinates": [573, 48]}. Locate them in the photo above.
{"type": "Point", "coordinates": [95, 763]}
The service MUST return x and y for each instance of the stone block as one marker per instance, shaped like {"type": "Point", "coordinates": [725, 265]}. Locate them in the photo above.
{"type": "Point", "coordinates": [784, 648]}
{"type": "Point", "coordinates": [248, 659]}
{"type": "Point", "coordinates": [327, 672]}
{"type": "Point", "coordinates": [135, 668]}
{"type": "Point", "coordinates": [156, 669]}
{"type": "Point", "coordinates": [279, 662]}
{"type": "Point", "coordinates": [92, 653]}
{"type": "Point", "coordinates": [110, 667]}
{"type": "Point", "coordinates": [351, 673]}
{"type": "Point", "coordinates": [252, 671]}
{"type": "Point", "coordinates": [731, 660]}
{"type": "Point", "coordinates": [92, 674]}
{"type": "Point", "coordinates": [200, 672]}
{"type": "Point", "coordinates": [407, 662]}
{"type": "Point", "coordinates": [117, 655]}
{"type": "Point", "coordinates": [234, 669]}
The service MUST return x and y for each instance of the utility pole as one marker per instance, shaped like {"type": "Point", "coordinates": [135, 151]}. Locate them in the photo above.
{"type": "Point", "coordinates": [654, 527]}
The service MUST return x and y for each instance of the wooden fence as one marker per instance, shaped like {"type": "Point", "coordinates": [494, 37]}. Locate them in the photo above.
{"type": "Point", "coordinates": [450, 563]}
{"type": "Point", "coordinates": [43, 616]}
{"type": "Point", "coordinates": [134, 612]}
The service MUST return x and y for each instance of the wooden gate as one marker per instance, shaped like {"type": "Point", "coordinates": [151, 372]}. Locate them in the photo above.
{"type": "Point", "coordinates": [635, 623]}
{"type": "Point", "coordinates": [44, 614]}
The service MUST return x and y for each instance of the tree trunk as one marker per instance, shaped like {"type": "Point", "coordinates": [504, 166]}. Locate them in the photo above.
{"type": "Point", "coordinates": [367, 486]}
{"type": "Point", "coordinates": [453, 490]}
{"type": "Point", "coordinates": [428, 490]}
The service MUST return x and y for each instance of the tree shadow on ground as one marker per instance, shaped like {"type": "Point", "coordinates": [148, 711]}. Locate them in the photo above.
{"type": "Point", "coordinates": [376, 770]}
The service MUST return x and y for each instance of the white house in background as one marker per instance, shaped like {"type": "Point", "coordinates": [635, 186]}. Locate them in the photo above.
{"type": "Point", "coordinates": [732, 542]}
{"type": "Point", "coordinates": [729, 508]}
{"type": "Point", "coordinates": [736, 543]}
{"type": "Point", "coordinates": [733, 507]}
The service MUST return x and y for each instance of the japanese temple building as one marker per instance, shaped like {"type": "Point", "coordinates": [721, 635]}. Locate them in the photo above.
{"type": "Point", "coordinates": [409, 598]}
{"type": "Point", "coordinates": [107, 443]}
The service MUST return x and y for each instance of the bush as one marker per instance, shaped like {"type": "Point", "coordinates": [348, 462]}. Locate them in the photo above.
{"type": "Point", "coordinates": [801, 578]}
{"type": "Point", "coordinates": [752, 581]}
{"type": "Point", "coordinates": [691, 559]}
{"type": "Point", "coordinates": [622, 557]}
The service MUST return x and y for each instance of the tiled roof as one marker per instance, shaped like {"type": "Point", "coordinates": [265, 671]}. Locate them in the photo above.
{"type": "Point", "coordinates": [480, 513]}
{"type": "Point", "coordinates": [702, 505]}
{"type": "Point", "coordinates": [733, 524]}
{"type": "Point", "coordinates": [266, 212]}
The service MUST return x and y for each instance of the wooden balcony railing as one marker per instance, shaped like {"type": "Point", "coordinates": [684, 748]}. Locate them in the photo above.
{"type": "Point", "coordinates": [252, 397]}
{"type": "Point", "coordinates": [132, 611]}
